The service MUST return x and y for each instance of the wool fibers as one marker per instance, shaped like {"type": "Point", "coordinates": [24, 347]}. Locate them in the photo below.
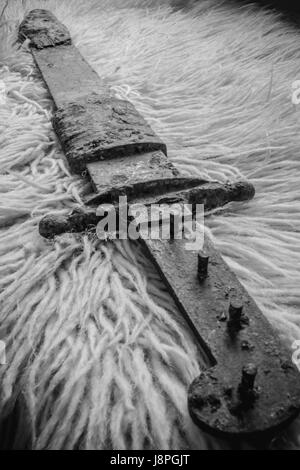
{"type": "Point", "coordinates": [97, 355]}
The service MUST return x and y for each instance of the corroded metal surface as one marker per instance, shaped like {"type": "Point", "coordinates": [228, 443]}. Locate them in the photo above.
{"type": "Point", "coordinates": [43, 29]}
{"type": "Point", "coordinates": [67, 74]}
{"type": "Point", "coordinates": [153, 174]}
{"type": "Point", "coordinates": [251, 388]}
{"type": "Point", "coordinates": [78, 221]}
{"type": "Point", "coordinates": [97, 127]}
{"type": "Point", "coordinates": [109, 177]}
{"type": "Point", "coordinates": [210, 193]}
{"type": "Point", "coordinates": [215, 399]}
{"type": "Point", "coordinates": [91, 124]}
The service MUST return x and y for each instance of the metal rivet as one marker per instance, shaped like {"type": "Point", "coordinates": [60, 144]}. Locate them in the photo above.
{"type": "Point", "coordinates": [249, 373]}
{"type": "Point", "coordinates": [203, 260]}
{"type": "Point", "coordinates": [235, 310]}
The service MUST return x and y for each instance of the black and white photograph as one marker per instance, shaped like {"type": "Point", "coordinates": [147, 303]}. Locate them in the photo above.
{"type": "Point", "coordinates": [149, 228]}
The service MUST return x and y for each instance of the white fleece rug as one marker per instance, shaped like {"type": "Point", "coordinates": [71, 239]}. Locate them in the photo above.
{"type": "Point", "coordinates": [97, 356]}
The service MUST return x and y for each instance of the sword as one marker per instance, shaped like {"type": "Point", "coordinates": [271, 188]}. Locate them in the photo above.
{"type": "Point", "coordinates": [251, 388]}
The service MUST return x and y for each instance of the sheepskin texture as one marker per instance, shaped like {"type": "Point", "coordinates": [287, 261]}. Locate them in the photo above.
{"type": "Point", "coordinates": [97, 355]}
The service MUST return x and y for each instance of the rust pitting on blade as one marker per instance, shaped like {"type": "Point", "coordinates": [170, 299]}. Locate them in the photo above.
{"type": "Point", "coordinates": [242, 406]}
{"type": "Point", "coordinates": [244, 413]}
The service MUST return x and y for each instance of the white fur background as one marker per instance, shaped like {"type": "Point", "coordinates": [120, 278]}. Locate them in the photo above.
{"type": "Point", "coordinates": [97, 356]}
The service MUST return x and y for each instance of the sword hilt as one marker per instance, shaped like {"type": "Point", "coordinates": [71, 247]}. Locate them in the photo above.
{"type": "Point", "coordinates": [210, 193]}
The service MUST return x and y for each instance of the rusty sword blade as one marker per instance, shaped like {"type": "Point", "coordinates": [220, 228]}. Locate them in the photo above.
{"type": "Point", "coordinates": [252, 388]}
